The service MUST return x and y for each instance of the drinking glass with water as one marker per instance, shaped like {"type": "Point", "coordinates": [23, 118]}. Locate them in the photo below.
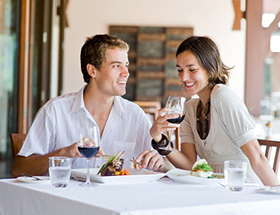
{"type": "Point", "coordinates": [59, 171]}
{"type": "Point", "coordinates": [235, 174]}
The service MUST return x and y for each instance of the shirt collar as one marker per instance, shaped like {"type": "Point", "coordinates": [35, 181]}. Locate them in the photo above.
{"type": "Point", "coordinates": [118, 106]}
{"type": "Point", "coordinates": [79, 101]}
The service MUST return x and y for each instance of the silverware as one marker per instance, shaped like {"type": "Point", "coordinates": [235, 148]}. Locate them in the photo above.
{"type": "Point", "coordinates": [106, 157]}
{"type": "Point", "coordinates": [134, 161]}
{"type": "Point", "coordinates": [221, 184]}
{"type": "Point", "coordinates": [275, 187]}
{"type": "Point", "coordinates": [77, 178]}
{"type": "Point", "coordinates": [31, 176]}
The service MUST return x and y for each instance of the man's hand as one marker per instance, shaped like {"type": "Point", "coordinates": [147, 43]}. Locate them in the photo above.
{"type": "Point", "coordinates": [73, 152]}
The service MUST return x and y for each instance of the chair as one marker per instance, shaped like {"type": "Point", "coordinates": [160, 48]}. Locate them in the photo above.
{"type": "Point", "coordinates": [17, 142]}
{"type": "Point", "coordinates": [177, 138]}
{"type": "Point", "coordinates": [151, 108]}
{"type": "Point", "coordinates": [271, 152]}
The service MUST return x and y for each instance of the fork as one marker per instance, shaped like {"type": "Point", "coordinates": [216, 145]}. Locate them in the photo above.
{"type": "Point", "coordinates": [106, 157]}
{"type": "Point", "coordinates": [32, 176]}
{"type": "Point", "coordinates": [134, 161]}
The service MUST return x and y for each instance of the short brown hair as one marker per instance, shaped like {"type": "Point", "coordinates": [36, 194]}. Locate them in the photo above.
{"type": "Point", "coordinates": [94, 50]}
{"type": "Point", "coordinates": [207, 54]}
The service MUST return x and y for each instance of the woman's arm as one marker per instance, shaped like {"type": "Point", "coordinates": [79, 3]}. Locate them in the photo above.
{"type": "Point", "coordinates": [259, 163]}
{"type": "Point", "coordinates": [185, 158]}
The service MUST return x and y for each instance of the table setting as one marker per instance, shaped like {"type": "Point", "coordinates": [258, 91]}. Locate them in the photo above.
{"type": "Point", "coordinates": [111, 190]}
{"type": "Point", "coordinates": [163, 194]}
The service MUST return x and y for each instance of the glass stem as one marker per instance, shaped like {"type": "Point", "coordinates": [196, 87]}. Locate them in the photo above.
{"type": "Point", "coordinates": [88, 176]}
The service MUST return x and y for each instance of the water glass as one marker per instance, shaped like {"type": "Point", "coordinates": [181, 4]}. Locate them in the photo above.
{"type": "Point", "coordinates": [235, 174]}
{"type": "Point", "coordinates": [59, 171]}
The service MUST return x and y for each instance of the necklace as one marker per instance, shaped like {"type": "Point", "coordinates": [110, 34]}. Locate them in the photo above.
{"type": "Point", "coordinates": [202, 128]}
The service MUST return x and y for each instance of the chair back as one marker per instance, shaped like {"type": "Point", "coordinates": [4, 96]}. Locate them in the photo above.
{"type": "Point", "coordinates": [271, 151]}
{"type": "Point", "coordinates": [150, 108]}
{"type": "Point", "coordinates": [17, 142]}
{"type": "Point", "coordinates": [177, 138]}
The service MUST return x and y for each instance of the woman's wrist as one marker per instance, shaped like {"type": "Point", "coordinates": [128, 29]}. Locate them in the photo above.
{"type": "Point", "coordinates": [158, 138]}
{"type": "Point", "coordinates": [162, 145]}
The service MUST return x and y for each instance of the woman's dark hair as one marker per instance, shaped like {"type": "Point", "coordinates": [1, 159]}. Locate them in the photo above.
{"type": "Point", "coordinates": [207, 54]}
{"type": "Point", "coordinates": [94, 51]}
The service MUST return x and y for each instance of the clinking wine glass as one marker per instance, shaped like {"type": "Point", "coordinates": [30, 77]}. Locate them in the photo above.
{"type": "Point", "coordinates": [176, 105]}
{"type": "Point", "coordinates": [88, 146]}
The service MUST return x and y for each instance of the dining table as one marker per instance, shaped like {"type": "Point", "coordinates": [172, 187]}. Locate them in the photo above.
{"type": "Point", "coordinates": [163, 196]}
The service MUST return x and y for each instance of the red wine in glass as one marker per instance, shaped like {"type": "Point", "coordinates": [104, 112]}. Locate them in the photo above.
{"type": "Point", "coordinates": [88, 146]}
{"type": "Point", "coordinates": [177, 120]}
{"type": "Point", "coordinates": [176, 105]}
{"type": "Point", "coordinates": [88, 152]}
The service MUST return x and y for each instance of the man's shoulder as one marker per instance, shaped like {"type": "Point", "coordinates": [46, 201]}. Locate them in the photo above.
{"type": "Point", "coordinates": [128, 104]}
{"type": "Point", "coordinates": [63, 100]}
{"type": "Point", "coordinates": [130, 108]}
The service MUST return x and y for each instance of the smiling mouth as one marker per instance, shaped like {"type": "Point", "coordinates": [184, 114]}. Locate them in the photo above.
{"type": "Point", "coordinates": [189, 84]}
{"type": "Point", "coordinates": [121, 82]}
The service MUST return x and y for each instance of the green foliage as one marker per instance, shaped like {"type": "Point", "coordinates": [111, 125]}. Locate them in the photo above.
{"type": "Point", "coordinates": [204, 167]}
{"type": "Point", "coordinates": [104, 166]}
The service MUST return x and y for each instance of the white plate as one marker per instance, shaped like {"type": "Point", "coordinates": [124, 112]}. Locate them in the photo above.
{"type": "Point", "coordinates": [183, 176]}
{"type": "Point", "coordinates": [28, 179]}
{"type": "Point", "coordinates": [136, 176]}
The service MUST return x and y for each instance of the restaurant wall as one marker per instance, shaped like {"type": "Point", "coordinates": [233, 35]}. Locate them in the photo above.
{"type": "Point", "coordinates": [213, 18]}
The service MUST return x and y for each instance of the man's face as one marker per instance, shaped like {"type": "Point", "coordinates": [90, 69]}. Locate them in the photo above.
{"type": "Point", "coordinates": [112, 76]}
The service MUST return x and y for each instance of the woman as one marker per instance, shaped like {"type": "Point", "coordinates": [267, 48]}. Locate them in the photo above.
{"type": "Point", "coordinates": [217, 125]}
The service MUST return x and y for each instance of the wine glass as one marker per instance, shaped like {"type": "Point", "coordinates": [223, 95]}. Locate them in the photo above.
{"type": "Point", "coordinates": [176, 105]}
{"type": "Point", "coordinates": [88, 146]}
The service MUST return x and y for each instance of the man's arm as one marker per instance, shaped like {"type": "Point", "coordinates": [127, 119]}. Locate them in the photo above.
{"type": "Point", "coordinates": [38, 164]}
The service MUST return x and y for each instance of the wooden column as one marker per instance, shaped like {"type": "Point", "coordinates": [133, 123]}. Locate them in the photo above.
{"type": "Point", "coordinates": [257, 47]}
{"type": "Point", "coordinates": [23, 66]}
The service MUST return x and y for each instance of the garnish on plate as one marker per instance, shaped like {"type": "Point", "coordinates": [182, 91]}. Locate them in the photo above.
{"type": "Point", "coordinates": [113, 166]}
{"type": "Point", "coordinates": [202, 169]}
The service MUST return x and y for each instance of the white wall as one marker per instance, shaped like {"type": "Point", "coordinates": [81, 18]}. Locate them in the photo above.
{"type": "Point", "coordinates": [213, 18]}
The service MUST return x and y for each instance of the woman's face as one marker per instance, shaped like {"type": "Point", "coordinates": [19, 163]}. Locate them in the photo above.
{"type": "Point", "coordinates": [192, 75]}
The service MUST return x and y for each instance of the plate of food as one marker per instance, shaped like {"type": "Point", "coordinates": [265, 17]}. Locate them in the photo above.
{"type": "Point", "coordinates": [201, 173]}
{"type": "Point", "coordinates": [33, 179]}
{"type": "Point", "coordinates": [112, 172]}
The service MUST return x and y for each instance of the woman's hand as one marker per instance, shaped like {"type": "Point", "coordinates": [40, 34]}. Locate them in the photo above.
{"type": "Point", "coordinates": [162, 125]}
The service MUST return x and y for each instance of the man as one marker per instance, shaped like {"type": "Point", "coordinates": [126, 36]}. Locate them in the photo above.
{"type": "Point", "coordinates": [123, 126]}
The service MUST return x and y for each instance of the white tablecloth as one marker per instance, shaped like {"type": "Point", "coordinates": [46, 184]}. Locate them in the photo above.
{"type": "Point", "coordinates": [164, 197]}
